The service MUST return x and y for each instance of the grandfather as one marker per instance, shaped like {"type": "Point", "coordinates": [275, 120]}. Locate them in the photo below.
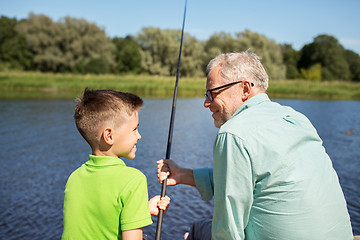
{"type": "Point", "coordinates": [271, 176]}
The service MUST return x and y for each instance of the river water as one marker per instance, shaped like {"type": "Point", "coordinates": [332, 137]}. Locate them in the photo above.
{"type": "Point", "coordinates": [40, 147]}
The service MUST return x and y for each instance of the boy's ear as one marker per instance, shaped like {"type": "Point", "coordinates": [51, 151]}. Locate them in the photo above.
{"type": "Point", "coordinates": [107, 135]}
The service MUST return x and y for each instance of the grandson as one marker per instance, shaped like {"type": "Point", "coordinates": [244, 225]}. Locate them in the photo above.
{"type": "Point", "coordinates": [104, 199]}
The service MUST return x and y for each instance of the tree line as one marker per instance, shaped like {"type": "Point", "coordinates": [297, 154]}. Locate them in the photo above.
{"type": "Point", "coordinates": [73, 45]}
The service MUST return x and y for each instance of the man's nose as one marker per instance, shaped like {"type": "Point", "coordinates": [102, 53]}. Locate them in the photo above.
{"type": "Point", "coordinates": [207, 103]}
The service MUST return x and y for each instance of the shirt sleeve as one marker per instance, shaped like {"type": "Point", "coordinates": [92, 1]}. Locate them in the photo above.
{"type": "Point", "coordinates": [135, 212]}
{"type": "Point", "coordinates": [204, 182]}
{"type": "Point", "coordinates": [233, 190]}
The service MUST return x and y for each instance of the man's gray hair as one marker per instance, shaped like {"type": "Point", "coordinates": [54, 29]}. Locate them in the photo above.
{"type": "Point", "coordinates": [240, 66]}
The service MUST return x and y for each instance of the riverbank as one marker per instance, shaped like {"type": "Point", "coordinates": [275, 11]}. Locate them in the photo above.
{"type": "Point", "coordinates": [35, 85]}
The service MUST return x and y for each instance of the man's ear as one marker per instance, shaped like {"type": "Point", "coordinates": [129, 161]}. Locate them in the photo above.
{"type": "Point", "coordinates": [107, 135]}
{"type": "Point", "coordinates": [246, 90]}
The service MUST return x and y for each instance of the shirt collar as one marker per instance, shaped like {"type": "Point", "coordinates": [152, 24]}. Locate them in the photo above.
{"type": "Point", "coordinates": [255, 100]}
{"type": "Point", "coordinates": [104, 161]}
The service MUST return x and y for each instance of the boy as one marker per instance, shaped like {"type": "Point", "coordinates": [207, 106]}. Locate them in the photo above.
{"type": "Point", "coordinates": [104, 199]}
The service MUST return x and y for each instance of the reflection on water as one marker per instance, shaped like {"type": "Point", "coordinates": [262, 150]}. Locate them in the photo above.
{"type": "Point", "coordinates": [40, 147]}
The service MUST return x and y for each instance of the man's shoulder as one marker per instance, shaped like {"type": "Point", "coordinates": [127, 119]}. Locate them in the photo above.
{"type": "Point", "coordinates": [254, 118]}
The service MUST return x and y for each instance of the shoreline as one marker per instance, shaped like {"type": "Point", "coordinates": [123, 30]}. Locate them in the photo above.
{"type": "Point", "coordinates": [35, 85]}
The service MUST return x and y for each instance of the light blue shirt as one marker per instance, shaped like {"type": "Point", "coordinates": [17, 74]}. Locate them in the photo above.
{"type": "Point", "coordinates": [272, 178]}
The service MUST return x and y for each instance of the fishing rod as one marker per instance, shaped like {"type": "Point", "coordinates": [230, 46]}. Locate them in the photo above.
{"type": "Point", "coordinates": [172, 119]}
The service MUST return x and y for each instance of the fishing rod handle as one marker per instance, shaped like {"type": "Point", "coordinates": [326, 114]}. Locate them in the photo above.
{"type": "Point", "coordinates": [161, 212]}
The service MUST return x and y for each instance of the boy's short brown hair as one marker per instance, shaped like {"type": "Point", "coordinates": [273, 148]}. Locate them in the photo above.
{"type": "Point", "coordinates": [97, 107]}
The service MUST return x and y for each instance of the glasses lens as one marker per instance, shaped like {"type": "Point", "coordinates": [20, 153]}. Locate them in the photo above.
{"type": "Point", "coordinates": [208, 95]}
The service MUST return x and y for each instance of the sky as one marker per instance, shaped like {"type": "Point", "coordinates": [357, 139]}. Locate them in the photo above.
{"type": "Point", "coordinates": [295, 22]}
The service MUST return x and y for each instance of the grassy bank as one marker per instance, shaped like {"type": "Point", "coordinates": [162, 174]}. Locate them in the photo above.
{"type": "Point", "coordinates": [48, 85]}
{"type": "Point", "coordinates": [33, 85]}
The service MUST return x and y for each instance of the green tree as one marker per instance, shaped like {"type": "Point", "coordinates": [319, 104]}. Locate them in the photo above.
{"type": "Point", "coordinates": [44, 38]}
{"type": "Point", "coordinates": [14, 51]}
{"type": "Point", "coordinates": [219, 43]}
{"type": "Point", "coordinates": [86, 43]}
{"type": "Point", "coordinates": [64, 45]}
{"type": "Point", "coordinates": [192, 54]}
{"type": "Point", "coordinates": [160, 52]}
{"type": "Point", "coordinates": [267, 49]}
{"type": "Point", "coordinates": [290, 58]}
{"type": "Point", "coordinates": [353, 59]}
{"type": "Point", "coordinates": [127, 55]}
{"type": "Point", "coordinates": [327, 51]}
{"type": "Point", "coordinates": [312, 73]}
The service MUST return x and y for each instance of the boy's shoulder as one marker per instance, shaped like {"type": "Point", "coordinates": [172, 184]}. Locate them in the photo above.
{"type": "Point", "coordinates": [118, 171]}
{"type": "Point", "coordinates": [134, 172]}
{"type": "Point", "coordinates": [122, 177]}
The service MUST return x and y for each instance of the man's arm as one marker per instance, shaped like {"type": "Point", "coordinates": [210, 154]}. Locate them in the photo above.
{"type": "Point", "coordinates": [234, 191]}
{"type": "Point", "coordinates": [201, 178]}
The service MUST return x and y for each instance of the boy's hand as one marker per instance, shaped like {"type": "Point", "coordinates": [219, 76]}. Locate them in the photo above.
{"type": "Point", "coordinates": [156, 203]}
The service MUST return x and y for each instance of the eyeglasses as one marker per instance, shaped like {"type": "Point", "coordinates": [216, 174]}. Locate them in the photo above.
{"type": "Point", "coordinates": [208, 93]}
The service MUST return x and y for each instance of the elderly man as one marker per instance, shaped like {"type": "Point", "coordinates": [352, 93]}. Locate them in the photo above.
{"type": "Point", "coordinates": [271, 176]}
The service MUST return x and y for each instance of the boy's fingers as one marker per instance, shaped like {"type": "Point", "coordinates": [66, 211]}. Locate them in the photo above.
{"type": "Point", "coordinates": [164, 202]}
{"type": "Point", "coordinates": [163, 206]}
{"type": "Point", "coordinates": [166, 198]}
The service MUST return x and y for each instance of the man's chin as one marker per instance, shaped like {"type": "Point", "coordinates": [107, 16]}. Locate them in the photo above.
{"type": "Point", "coordinates": [218, 123]}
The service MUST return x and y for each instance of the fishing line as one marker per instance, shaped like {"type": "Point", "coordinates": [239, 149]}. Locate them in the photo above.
{"type": "Point", "coordinates": [172, 119]}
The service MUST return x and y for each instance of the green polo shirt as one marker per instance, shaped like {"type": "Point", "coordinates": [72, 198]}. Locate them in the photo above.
{"type": "Point", "coordinates": [272, 178]}
{"type": "Point", "coordinates": [103, 198]}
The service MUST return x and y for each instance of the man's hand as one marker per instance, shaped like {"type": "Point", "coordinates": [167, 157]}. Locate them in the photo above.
{"type": "Point", "coordinates": [174, 173]}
